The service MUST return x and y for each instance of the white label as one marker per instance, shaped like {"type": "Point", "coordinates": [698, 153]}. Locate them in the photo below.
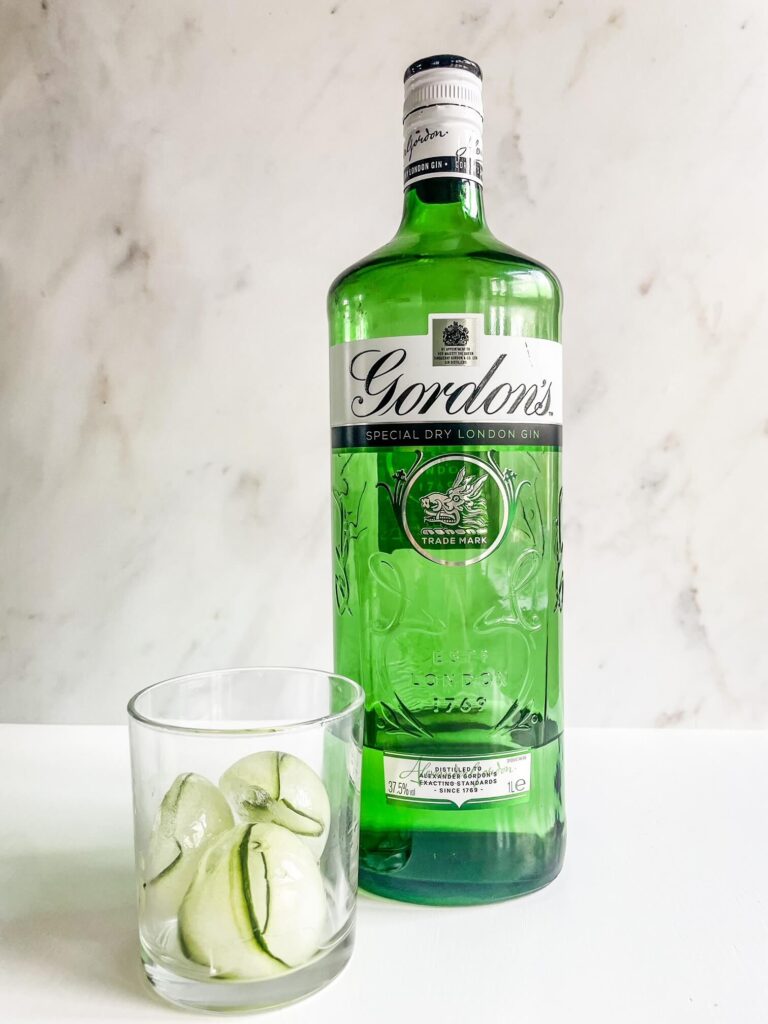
{"type": "Point", "coordinates": [455, 380]}
{"type": "Point", "coordinates": [443, 141]}
{"type": "Point", "coordinates": [456, 780]}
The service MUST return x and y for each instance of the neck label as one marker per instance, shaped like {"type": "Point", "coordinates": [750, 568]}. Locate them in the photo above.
{"type": "Point", "coordinates": [444, 141]}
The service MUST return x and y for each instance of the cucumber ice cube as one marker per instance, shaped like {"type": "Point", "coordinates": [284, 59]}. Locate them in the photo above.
{"type": "Point", "coordinates": [271, 786]}
{"type": "Point", "coordinates": [191, 814]}
{"type": "Point", "coordinates": [256, 905]}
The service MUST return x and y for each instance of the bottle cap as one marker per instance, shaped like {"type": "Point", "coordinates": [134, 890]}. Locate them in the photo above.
{"type": "Point", "coordinates": [443, 80]}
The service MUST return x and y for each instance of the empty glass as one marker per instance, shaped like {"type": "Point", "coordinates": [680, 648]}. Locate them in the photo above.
{"type": "Point", "coordinates": [246, 787]}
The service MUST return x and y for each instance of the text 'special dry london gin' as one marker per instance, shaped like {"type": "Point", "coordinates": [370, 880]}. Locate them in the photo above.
{"type": "Point", "coordinates": [446, 407]}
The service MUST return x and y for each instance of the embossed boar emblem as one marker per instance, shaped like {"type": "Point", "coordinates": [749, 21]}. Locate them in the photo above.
{"type": "Point", "coordinates": [461, 505]}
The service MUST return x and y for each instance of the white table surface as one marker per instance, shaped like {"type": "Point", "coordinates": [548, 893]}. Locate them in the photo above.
{"type": "Point", "coordinates": [660, 913]}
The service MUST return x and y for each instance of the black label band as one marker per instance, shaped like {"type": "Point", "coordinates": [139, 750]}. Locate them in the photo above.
{"type": "Point", "coordinates": [404, 435]}
{"type": "Point", "coordinates": [468, 166]}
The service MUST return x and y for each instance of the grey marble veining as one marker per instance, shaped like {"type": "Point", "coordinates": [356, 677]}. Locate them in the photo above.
{"type": "Point", "coordinates": [179, 182]}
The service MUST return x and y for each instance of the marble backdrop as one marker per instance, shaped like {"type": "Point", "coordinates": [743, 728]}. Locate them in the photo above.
{"type": "Point", "coordinates": [180, 181]}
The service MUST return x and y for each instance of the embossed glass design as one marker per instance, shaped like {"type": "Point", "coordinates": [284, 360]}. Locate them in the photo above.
{"type": "Point", "coordinates": [458, 647]}
{"type": "Point", "coordinates": [246, 787]}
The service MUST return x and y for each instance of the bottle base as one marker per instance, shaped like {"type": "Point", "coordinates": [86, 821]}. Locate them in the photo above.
{"type": "Point", "coordinates": [452, 869]}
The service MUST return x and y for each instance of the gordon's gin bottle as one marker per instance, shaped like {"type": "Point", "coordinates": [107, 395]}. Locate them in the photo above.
{"type": "Point", "coordinates": [446, 404]}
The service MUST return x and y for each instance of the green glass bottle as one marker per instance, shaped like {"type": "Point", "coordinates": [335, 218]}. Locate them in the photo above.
{"type": "Point", "coordinates": [446, 407]}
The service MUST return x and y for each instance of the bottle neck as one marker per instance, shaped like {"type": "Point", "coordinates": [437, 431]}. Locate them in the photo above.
{"type": "Point", "coordinates": [443, 170]}
{"type": "Point", "coordinates": [443, 206]}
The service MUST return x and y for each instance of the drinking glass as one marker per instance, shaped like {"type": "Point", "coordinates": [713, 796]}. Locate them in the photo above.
{"type": "Point", "coordinates": [246, 789]}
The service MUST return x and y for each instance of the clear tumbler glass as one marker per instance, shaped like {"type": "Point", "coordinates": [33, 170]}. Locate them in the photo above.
{"type": "Point", "coordinates": [246, 789]}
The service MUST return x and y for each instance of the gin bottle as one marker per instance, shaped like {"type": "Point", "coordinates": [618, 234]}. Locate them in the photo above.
{"type": "Point", "coordinates": [446, 408]}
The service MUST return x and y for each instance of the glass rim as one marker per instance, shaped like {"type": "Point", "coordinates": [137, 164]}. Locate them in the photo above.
{"type": "Point", "coordinates": [293, 726]}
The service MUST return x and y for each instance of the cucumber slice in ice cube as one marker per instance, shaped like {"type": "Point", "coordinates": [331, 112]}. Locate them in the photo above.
{"type": "Point", "coordinates": [271, 786]}
{"type": "Point", "coordinates": [191, 814]}
{"type": "Point", "coordinates": [256, 906]}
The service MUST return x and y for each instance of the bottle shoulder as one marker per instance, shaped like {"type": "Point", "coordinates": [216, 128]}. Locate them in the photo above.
{"type": "Point", "coordinates": [392, 291]}
{"type": "Point", "coordinates": [479, 256]}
